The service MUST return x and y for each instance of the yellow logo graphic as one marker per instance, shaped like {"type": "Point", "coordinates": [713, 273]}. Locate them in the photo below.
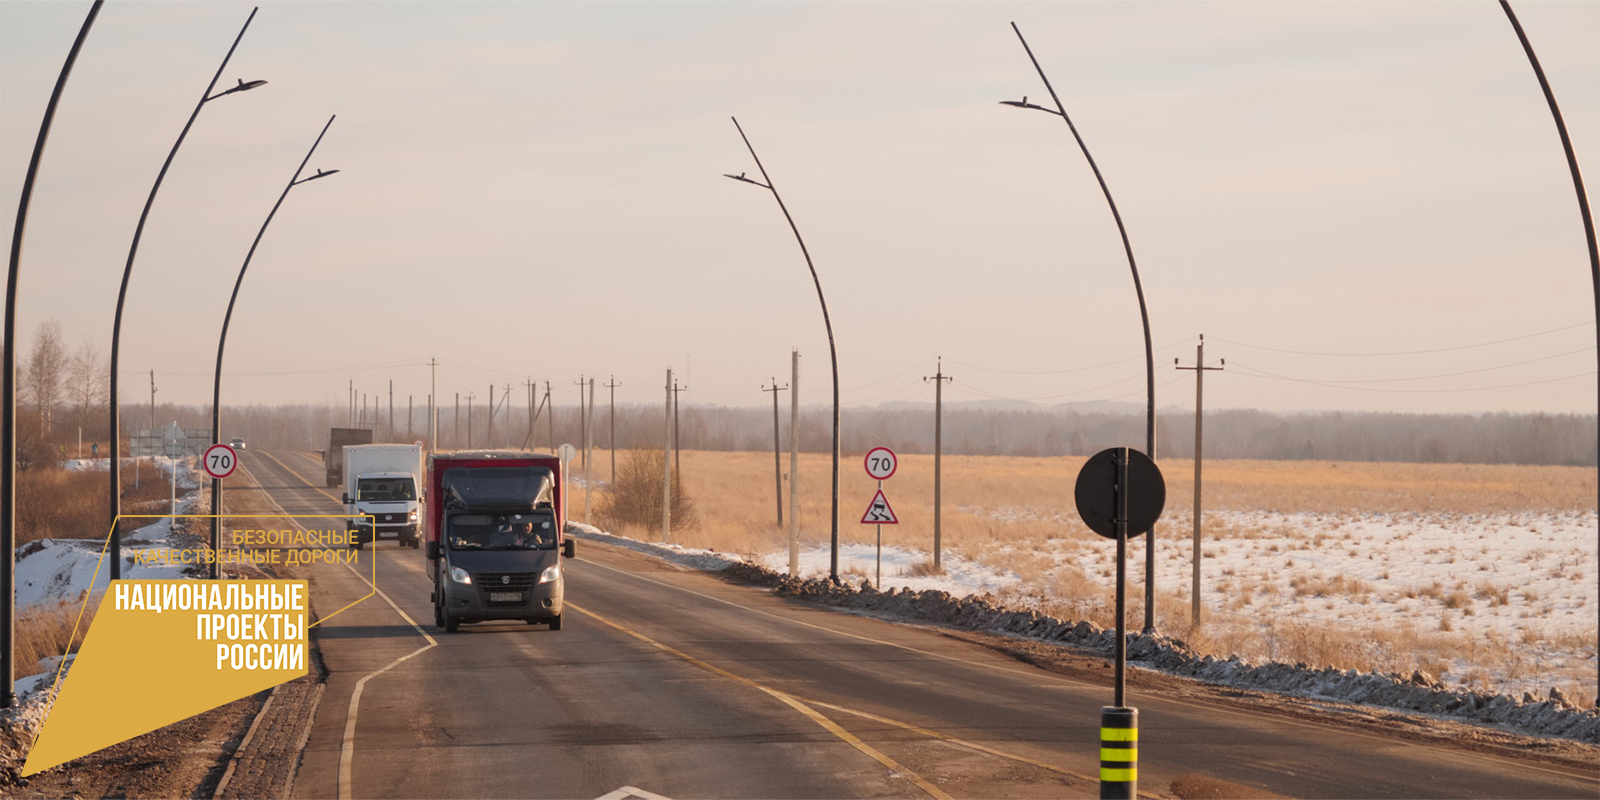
{"type": "Point", "coordinates": [212, 642]}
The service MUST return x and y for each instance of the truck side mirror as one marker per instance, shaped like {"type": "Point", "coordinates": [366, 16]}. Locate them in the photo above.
{"type": "Point", "coordinates": [345, 499]}
{"type": "Point", "coordinates": [433, 550]}
{"type": "Point", "coordinates": [570, 548]}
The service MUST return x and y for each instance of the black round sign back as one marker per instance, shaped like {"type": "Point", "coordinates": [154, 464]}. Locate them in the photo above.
{"type": "Point", "coordinates": [1096, 493]}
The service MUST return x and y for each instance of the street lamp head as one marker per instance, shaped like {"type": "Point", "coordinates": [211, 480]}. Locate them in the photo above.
{"type": "Point", "coordinates": [244, 86]}
{"type": "Point", "coordinates": [1023, 103]}
{"type": "Point", "coordinates": [741, 177]}
{"type": "Point", "coordinates": [320, 174]}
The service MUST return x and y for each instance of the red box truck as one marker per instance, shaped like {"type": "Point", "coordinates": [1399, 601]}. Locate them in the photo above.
{"type": "Point", "coordinates": [496, 537]}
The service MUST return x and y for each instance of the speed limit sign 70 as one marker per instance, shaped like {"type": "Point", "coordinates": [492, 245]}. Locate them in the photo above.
{"type": "Point", "coordinates": [881, 463]}
{"type": "Point", "coordinates": [220, 461]}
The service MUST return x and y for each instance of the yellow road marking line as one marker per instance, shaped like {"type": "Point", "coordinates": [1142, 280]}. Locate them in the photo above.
{"type": "Point", "coordinates": [793, 702]}
{"type": "Point", "coordinates": [1215, 707]}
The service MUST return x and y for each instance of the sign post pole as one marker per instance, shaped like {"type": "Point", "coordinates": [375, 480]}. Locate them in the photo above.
{"type": "Point", "coordinates": [880, 463]}
{"type": "Point", "coordinates": [1120, 494]}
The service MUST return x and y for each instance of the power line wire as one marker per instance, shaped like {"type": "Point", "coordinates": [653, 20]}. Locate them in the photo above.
{"type": "Point", "coordinates": [1254, 372]}
{"type": "Point", "coordinates": [1404, 352]}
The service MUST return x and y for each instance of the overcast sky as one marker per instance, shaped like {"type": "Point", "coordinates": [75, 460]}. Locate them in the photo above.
{"type": "Point", "coordinates": [1364, 206]}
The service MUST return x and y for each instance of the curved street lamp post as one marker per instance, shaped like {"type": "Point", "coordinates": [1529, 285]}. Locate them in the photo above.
{"type": "Point", "coordinates": [216, 384]}
{"type": "Point", "coordinates": [8, 366]}
{"type": "Point", "coordinates": [1144, 318]}
{"type": "Point", "coordinates": [127, 272]}
{"type": "Point", "coordinates": [766, 183]}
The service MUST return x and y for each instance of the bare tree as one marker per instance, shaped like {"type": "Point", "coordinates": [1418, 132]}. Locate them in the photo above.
{"type": "Point", "coordinates": [45, 375]}
{"type": "Point", "coordinates": [86, 383]}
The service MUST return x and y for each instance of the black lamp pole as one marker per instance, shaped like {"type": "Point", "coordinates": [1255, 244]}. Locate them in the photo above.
{"type": "Point", "coordinates": [1572, 166]}
{"type": "Point", "coordinates": [8, 415]}
{"type": "Point", "coordinates": [833, 516]}
{"type": "Point", "coordinates": [122, 293]}
{"type": "Point", "coordinates": [216, 384]}
{"type": "Point", "coordinates": [1144, 318]}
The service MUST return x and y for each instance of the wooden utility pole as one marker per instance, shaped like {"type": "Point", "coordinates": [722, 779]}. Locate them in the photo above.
{"type": "Point", "coordinates": [550, 415]}
{"type": "Point", "coordinates": [794, 463]}
{"type": "Point", "coordinates": [455, 419]}
{"type": "Point", "coordinates": [583, 424]}
{"type": "Point", "coordinates": [938, 467]}
{"type": "Point", "coordinates": [588, 463]}
{"type": "Point", "coordinates": [389, 428]}
{"type": "Point", "coordinates": [527, 441]}
{"type": "Point", "coordinates": [1200, 370]}
{"type": "Point", "coordinates": [613, 387]}
{"type": "Point", "coordinates": [777, 457]}
{"type": "Point", "coordinates": [470, 396]}
{"type": "Point", "coordinates": [433, 407]}
{"type": "Point", "coordinates": [666, 466]}
{"type": "Point", "coordinates": [677, 444]}
{"type": "Point", "coordinates": [152, 399]}
{"type": "Point", "coordinates": [411, 417]}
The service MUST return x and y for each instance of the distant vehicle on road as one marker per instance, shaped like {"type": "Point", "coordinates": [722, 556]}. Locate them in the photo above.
{"type": "Point", "coordinates": [496, 538]}
{"type": "Point", "coordinates": [237, 444]}
{"type": "Point", "coordinates": [333, 457]}
{"type": "Point", "coordinates": [382, 483]}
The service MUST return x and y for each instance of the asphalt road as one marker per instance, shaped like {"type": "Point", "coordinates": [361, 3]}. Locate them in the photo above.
{"type": "Point", "coordinates": [669, 682]}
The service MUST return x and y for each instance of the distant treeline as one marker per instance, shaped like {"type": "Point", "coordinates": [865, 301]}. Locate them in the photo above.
{"type": "Point", "coordinates": [1500, 438]}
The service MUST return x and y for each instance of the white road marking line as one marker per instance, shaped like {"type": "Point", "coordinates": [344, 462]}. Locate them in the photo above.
{"type": "Point", "coordinates": [631, 793]}
{"type": "Point", "coordinates": [347, 749]}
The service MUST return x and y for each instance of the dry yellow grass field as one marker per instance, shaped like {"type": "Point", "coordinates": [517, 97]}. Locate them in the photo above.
{"type": "Point", "coordinates": [1470, 622]}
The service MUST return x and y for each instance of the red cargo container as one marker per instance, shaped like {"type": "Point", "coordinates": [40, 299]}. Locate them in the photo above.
{"type": "Point", "coordinates": [496, 537]}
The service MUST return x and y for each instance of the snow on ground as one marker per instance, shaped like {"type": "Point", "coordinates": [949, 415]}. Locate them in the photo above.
{"type": "Point", "coordinates": [1519, 582]}
{"type": "Point", "coordinates": [187, 474]}
{"type": "Point", "coordinates": [1517, 592]}
{"type": "Point", "coordinates": [859, 562]}
{"type": "Point", "coordinates": [61, 570]}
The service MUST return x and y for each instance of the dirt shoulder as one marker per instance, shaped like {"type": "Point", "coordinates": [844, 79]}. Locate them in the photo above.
{"type": "Point", "coordinates": [1076, 663]}
{"type": "Point", "coordinates": [190, 758]}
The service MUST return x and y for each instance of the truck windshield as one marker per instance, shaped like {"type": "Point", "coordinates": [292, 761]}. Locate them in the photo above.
{"type": "Point", "coordinates": [535, 531]}
{"type": "Point", "coordinates": [381, 490]}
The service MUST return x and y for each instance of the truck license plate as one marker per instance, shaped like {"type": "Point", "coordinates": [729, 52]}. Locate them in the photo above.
{"type": "Point", "coordinates": [505, 597]}
{"type": "Point", "coordinates": [388, 534]}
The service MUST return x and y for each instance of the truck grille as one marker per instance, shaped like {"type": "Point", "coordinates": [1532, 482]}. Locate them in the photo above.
{"type": "Point", "coordinates": [515, 581]}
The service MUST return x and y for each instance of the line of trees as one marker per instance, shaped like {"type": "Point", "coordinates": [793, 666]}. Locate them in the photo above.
{"type": "Point", "coordinates": [63, 392]}
{"type": "Point", "coordinates": [1498, 438]}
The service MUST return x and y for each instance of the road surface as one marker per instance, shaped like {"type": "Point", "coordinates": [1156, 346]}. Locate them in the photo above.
{"type": "Point", "coordinates": [668, 682]}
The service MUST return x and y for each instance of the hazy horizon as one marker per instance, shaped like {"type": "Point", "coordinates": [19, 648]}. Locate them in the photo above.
{"type": "Point", "coordinates": [1364, 207]}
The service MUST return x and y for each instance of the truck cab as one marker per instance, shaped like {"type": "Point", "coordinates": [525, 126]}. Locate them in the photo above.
{"type": "Point", "coordinates": [381, 494]}
{"type": "Point", "coordinates": [495, 536]}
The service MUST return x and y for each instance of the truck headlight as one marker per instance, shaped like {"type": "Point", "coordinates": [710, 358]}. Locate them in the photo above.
{"type": "Point", "coordinates": [413, 516]}
{"type": "Point", "coordinates": [460, 575]}
{"type": "Point", "coordinates": [552, 573]}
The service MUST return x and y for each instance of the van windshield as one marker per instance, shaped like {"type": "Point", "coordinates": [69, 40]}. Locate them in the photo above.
{"type": "Point", "coordinates": [381, 490]}
{"type": "Point", "coordinates": [529, 531]}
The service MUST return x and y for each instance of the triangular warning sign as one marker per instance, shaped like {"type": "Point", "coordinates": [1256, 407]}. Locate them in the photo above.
{"type": "Point", "coordinates": [879, 513]}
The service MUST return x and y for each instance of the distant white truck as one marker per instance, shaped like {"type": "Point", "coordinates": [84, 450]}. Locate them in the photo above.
{"type": "Point", "coordinates": [384, 480]}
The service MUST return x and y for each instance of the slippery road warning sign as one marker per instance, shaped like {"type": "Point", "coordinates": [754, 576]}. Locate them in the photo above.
{"type": "Point", "coordinates": [879, 513]}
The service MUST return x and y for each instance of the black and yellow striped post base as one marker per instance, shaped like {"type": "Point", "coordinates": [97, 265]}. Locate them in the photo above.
{"type": "Point", "coordinates": [1119, 753]}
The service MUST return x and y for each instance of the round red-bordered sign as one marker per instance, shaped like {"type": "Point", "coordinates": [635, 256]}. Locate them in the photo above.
{"type": "Point", "coordinates": [881, 463]}
{"type": "Point", "coordinates": [220, 461]}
